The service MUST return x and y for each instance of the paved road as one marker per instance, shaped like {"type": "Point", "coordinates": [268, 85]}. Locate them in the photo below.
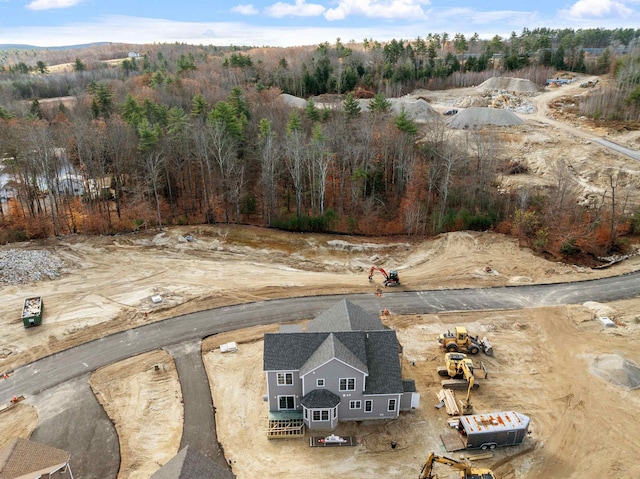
{"type": "Point", "coordinates": [199, 430]}
{"type": "Point", "coordinates": [71, 418]}
{"type": "Point", "coordinates": [542, 114]}
{"type": "Point", "coordinates": [635, 154]}
{"type": "Point", "coordinates": [79, 427]}
{"type": "Point", "coordinates": [61, 367]}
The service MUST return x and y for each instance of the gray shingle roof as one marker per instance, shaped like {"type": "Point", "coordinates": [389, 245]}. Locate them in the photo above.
{"type": "Point", "coordinates": [289, 351]}
{"type": "Point", "coordinates": [378, 350]}
{"type": "Point", "coordinates": [332, 348]}
{"type": "Point", "coordinates": [320, 399]}
{"type": "Point", "coordinates": [409, 385]}
{"type": "Point", "coordinates": [371, 348]}
{"type": "Point", "coordinates": [190, 464]}
{"type": "Point", "coordinates": [385, 374]}
{"type": "Point", "coordinates": [345, 316]}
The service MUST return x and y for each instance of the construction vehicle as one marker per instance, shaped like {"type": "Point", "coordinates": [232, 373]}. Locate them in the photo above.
{"type": "Point", "coordinates": [460, 371]}
{"type": "Point", "coordinates": [390, 279]}
{"type": "Point", "coordinates": [466, 471]}
{"type": "Point", "coordinates": [462, 341]}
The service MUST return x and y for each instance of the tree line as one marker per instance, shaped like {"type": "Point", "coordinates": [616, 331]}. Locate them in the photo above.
{"type": "Point", "coordinates": [187, 135]}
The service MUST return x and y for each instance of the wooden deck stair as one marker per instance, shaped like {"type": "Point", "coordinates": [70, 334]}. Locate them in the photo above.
{"type": "Point", "coordinates": [283, 426]}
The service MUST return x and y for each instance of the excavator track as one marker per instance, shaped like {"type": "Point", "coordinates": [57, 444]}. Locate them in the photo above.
{"type": "Point", "coordinates": [457, 384]}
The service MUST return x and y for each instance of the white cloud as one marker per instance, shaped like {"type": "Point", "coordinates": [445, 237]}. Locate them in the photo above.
{"type": "Point", "coordinates": [598, 9]}
{"type": "Point", "coordinates": [245, 9]}
{"type": "Point", "coordinates": [299, 9]}
{"type": "Point", "coordinates": [138, 30]}
{"type": "Point", "coordinates": [377, 9]}
{"type": "Point", "coordinates": [52, 4]}
{"type": "Point", "coordinates": [504, 18]}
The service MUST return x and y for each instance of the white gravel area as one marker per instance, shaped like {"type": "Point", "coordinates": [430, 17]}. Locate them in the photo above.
{"type": "Point", "coordinates": [23, 266]}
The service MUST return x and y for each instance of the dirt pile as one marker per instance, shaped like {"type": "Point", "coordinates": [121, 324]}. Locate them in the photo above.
{"type": "Point", "coordinates": [479, 117]}
{"type": "Point", "coordinates": [517, 85]}
{"type": "Point", "coordinates": [616, 370]}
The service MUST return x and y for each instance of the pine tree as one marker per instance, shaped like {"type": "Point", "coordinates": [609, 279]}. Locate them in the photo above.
{"type": "Point", "coordinates": [351, 106]}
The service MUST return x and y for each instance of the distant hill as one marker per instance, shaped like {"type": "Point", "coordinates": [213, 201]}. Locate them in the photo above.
{"type": "Point", "coordinates": [8, 46]}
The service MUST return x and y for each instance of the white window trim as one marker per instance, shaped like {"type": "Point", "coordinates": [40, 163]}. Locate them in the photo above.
{"type": "Point", "coordinates": [287, 396]}
{"type": "Point", "coordinates": [284, 377]}
{"type": "Point", "coordinates": [355, 404]}
{"type": "Point", "coordinates": [370, 402]}
{"type": "Point", "coordinates": [319, 412]}
{"type": "Point", "coordinates": [347, 384]}
{"type": "Point", "coordinates": [320, 383]}
{"type": "Point", "coordinates": [395, 405]}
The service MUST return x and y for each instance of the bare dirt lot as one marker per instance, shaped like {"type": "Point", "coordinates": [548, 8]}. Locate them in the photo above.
{"type": "Point", "coordinates": [557, 365]}
{"type": "Point", "coordinates": [572, 376]}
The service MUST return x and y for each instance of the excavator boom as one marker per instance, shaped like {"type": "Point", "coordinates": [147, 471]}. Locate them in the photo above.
{"type": "Point", "coordinates": [466, 471]}
{"type": "Point", "coordinates": [390, 279]}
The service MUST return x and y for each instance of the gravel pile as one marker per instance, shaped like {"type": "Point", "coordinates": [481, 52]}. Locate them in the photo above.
{"type": "Point", "coordinates": [517, 85]}
{"type": "Point", "coordinates": [479, 117]}
{"type": "Point", "coordinates": [22, 266]}
{"type": "Point", "coordinates": [416, 109]}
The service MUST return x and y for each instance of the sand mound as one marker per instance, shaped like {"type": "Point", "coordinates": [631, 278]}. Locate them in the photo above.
{"type": "Point", "coordinates": [617, 370]}
{"type": "Point", "coordinates": [479, 117]}
{"type": "Point", "coordinates": [518, 85]}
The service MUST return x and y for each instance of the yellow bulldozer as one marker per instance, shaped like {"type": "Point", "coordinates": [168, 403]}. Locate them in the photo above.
{"type": "Point", "coordinates": [461, 341]}
{"type": "Point", "coordinates": [466, 471]}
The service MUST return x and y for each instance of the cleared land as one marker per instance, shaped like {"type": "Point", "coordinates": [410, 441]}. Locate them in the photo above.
{"type": "Point", "coordinates": [574, 377]}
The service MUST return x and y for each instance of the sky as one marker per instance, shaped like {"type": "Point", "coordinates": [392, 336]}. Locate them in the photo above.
{"type": "Point", "coordinates": [49, 23]}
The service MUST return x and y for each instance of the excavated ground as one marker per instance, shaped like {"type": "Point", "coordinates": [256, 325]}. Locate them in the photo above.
{"type": "Point", "coordinates": [576, 379]}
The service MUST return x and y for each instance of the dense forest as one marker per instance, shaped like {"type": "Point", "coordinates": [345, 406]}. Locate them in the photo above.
{"type": "Point", "coordinates": [143, 136]}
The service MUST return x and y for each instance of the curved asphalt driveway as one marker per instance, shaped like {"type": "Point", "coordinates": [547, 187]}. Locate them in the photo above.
{"type": "Point", "coordinates": [181, 335]}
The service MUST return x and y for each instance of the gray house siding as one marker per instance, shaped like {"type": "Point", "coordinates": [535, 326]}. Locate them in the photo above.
{"type": "Point", "coordinates": [410, 397]}
{"type": "Point", "coordinates": [277, 391]}
{"type": "Point", "coordinates": [333, 373]}
{"type": "Point", "coordinates": [346, 366]}
{"type": "Point", "coordinates": [379, 408]}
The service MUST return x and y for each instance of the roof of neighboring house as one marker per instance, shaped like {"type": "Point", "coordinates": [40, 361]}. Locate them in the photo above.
{"type": "Point", "coordinates": [190, 464]}
{"type": "Point", "coordinates": [374, 352]}
{"type": "Point", "coordinates": [26, 459]}
{"type": "Point", "coordinates": [320, 399]}
{"type": "Point", "coordinates": [345, 316]}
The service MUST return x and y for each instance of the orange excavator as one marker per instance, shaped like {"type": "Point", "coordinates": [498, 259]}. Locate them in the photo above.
{"type": "Point", "coordinates": [390, 279]}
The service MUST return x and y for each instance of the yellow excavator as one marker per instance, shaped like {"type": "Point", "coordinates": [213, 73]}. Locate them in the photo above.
{"type": "Point", "coordinates": [460, 370]}
{"type": "Point", "coordinates": [466, 471]}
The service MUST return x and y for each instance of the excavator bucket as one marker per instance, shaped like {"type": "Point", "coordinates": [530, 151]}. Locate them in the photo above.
{"type": "Point", "coordinates": [486, 347]}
